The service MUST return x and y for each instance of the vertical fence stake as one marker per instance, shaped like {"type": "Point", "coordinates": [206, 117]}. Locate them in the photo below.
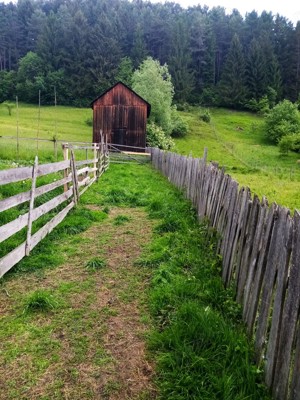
{"type": "Point", "coordinates": [95, 162]}
{"type": "Point", "coordinates": [65, 148]}
{"type": "Point", "coordinates": [74, 178]}
{"type": "Point", "coordinates": [31, 206]}
{"type": "Point", "coordinates": [205, 155]}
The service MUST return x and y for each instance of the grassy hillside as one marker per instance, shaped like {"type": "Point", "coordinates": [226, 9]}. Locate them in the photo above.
{"type": "Point", "coordinates": [236, 141]}
{"type": "Point", "coordinates": [62, 123]}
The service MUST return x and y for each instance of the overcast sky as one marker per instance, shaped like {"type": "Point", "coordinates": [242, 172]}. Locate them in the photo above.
{"type": "Point", "coordinates": [287, 8]}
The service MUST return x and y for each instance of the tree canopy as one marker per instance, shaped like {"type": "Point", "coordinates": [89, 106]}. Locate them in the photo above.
{"type": "Point", "coordinates": [82, 47]}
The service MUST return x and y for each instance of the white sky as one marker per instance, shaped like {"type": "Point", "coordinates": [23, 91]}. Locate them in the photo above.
{"type": "Point", "coordinates": [287, 8]}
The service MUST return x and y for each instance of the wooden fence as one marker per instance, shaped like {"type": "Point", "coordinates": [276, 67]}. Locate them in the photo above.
{"type": "Point", "coordinates": [77, 177]}
{"type": "Point", "coordinates": [260, 248]}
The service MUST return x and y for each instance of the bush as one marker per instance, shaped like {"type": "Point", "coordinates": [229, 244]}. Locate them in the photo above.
{"type": "Point", "coordinates": [283, 119]}
{"type": "Point", "coordinates": [260, 106]}
{"type": "Point", "coordinates": [289, 143]}
{"type": "Point", "coordinates": [157, 138]}
{"type": "Point", "coordinates": [179, 127]}
{"type": "Point", "coordinates": [205, 116]}
{"type": "Point", "coordinates": [183, 107]}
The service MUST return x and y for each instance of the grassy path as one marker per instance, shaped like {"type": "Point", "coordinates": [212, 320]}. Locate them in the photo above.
{"type": "Point", "coordinates": [124, 301]}
{"type": "Point", "coordinates": [90, 345]}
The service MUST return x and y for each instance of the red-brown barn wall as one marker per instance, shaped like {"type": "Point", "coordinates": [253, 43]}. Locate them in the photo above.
{"type": "Point", "coordinates": [120, 108]}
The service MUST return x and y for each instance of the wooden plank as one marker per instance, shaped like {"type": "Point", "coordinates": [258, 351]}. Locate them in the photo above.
{"type": "Point", "coordinates": [31, 206]}
{"type": "Point", "coordinates": [88, 185]}
{"type": "Point", "coordinates": [11, 259]}
{"type": "Point", "coordinates": [239, 237]}
{"type": "Point", "coordinates": [16, 225]}
{"type": "Point", "coordinates": [289, 319]}
{"type": "Point", "coordinates": [276, 247]}
{"type": "Point", "coordinates": [21, 198]}
{"type": "Point", "coordinates": [243, 259]}
{"type": "Point", "coordinates": [19, 174]}
{"type": "Point", "coordinates": [66, 157]}
{"type": "Point", "coordinates": [84, 162]}
{"type": "Point", "coordinates": [46, 229]}
{"type": "Point", "coordinates": [255, 291]}
{"type": "Point", "coordinates": [74, 178]}
{"type": "Point", "coordinates": [45, 169]}
{"type": "Point", "coordinates": [295, 381]}
{"type": "Point", "coordinates": [256, 222]}
{"type": "Point", "coordinates": [15, 174]}
{"type": "Point", "coordinates": [285, 245]}
{"type": "Point", "coordinates": [229, 230]}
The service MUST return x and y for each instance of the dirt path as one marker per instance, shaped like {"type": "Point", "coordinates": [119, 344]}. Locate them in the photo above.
{"type": "Point", "coordinates": [92, 346]}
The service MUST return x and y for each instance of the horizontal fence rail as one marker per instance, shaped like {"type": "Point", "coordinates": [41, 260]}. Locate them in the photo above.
{"type": "Point", "coordinates": [78, 177]}
{"type": "Point", "coordinates": [260, 248]}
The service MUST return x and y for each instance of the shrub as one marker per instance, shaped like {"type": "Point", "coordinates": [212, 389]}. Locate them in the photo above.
{"type": "Point", "coordinates": [283, 119]}
{"type": "Point", "coordinates": [260, 106]}
{"type": "Point", "coordinates": [183, 107]}
{"type": "Point", "coordinates": [205, 116]}
{"type": "Point", "coordinates": [179, 127]}
{"type": "Point", "coordinates": [289, 143]}
{"type": "Point", "coordinates": [157, 138]}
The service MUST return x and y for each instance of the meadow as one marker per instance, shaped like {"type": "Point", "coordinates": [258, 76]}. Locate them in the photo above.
{"type": "Point", "coordinates": [59, 123]}
{"type": "Point", "coordinates": [72, 303]}
{"type": "Point", "coordinates": [236, 141]}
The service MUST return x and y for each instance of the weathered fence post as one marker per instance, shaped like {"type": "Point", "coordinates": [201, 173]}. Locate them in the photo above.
{"type": "Point", "coordinates": [65, 148]}
{"type": "Point", "coordinates": [95, 159]}
{"type": "Point", "coordinates": [31, 206]}
{"type": "Point", "coordinates": [74, 178]}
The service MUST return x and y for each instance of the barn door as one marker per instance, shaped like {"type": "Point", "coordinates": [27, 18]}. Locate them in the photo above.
{"type": "Point", "coordinates": [119, 136]}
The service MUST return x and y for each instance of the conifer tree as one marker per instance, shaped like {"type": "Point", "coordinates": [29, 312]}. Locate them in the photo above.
{"type": "Point", "coordinates": [232, 85]}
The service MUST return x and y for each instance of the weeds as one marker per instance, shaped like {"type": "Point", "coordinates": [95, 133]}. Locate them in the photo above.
{"type": "Point", "coordinates": [96, 263]}
{"type": "Point", "coordinates": [121, 220]}
{"type": "Point", "coordinates": [40, 301]}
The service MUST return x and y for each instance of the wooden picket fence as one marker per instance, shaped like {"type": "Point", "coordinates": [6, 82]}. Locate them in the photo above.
{"type": "Point", "coordinates": [260, 248]}
{"type": "Point", "coordinates": [77, 177]}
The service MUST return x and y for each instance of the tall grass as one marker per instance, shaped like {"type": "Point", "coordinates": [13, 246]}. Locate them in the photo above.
{"type": "Point", "coordinates": [236, 141]}
{"type": "Point", "coordinates": [199, 341]}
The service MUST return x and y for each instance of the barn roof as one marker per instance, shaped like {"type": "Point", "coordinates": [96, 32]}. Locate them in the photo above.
{"type": "Point", "coordinates": [118, 83]}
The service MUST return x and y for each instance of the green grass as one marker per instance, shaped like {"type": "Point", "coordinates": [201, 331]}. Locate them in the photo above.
{"type": "Point", "coordinates": [198, 341]}
{"type": "Point", "coordinates": [40, 301]}
{"type": "Point", "coordinates": [236, 141]}
{"type": "Point", "coordinates": [63, 123]}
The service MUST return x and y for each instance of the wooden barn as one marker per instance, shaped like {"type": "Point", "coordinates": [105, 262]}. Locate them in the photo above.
{"type": "Point", "coordinates": [122, 115]}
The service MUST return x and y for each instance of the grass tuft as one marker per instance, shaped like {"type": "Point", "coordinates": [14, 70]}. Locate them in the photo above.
{"type": "Point", "coordinates": [96, 263]}
{"type": "Point", "coordinates": [40, 301]}
{"type": "Point", "coordinates": [121, 220]}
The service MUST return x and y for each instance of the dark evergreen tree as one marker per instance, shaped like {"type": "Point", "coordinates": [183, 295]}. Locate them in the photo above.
{"type": "Point", "coordinates": [256, 78]}
{"type": "Point", "coordinates": [180, 61]}
{"type": "Point", "coordinates": [232, 85]}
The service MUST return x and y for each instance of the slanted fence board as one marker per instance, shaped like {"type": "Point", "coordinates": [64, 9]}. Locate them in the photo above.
{"type": "Point", "coordinates": [289, 318]}
{"type": "Point", "coordinates": [285, 245]}
{"type": "Point", "coordinates": [255, 291]}
{"type": "Point", "coordinates": [295, 381]}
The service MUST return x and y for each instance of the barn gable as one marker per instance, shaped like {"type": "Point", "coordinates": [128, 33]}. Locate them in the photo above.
{"type": "Point", "coordinates": [121, 114]}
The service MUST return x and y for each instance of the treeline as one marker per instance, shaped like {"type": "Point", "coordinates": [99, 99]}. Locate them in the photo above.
{"type": "Point", "coordinates": [77, 46]}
